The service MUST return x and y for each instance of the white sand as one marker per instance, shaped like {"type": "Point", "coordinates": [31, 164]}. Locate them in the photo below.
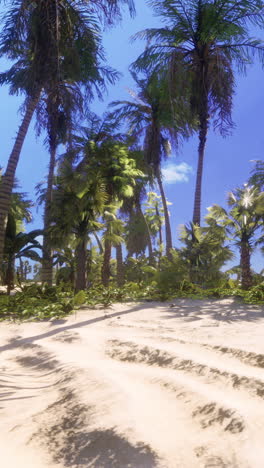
{"type": "Point", "coordinates": [136, 385]}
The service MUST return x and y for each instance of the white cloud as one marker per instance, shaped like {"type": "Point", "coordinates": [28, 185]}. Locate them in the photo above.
{"type": "Point", "coordinates": [176, 173]}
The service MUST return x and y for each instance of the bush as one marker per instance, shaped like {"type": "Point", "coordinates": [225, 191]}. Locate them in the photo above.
{"type": "Point", "coordinates": [255, 295]}
{"type": "Point", "coordinates": [36, 302]}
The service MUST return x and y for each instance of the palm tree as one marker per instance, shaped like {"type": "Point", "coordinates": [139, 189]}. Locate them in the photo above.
{"type": "Point", "coordinates": [120, 271]}
{"type": "Point", "coordinates": [257, 175]}
{"type": "Point", "coordinates": [17, 246]}
{"type": "Point", "coordinates": [65, 103]}
{"type": "Point", "coordinates": [150, 116]}
{"type": "Point", "coordinates": [79, 198]}
{"type": "Point", "coordinates": [243, 221]}
{"type": "Point", "coordinates": [99, 145]}
{"type": "Point", "coordinates": [204, 252]}
{"type": "Point", "coordinates": [199, 46]}
{"type": "Point", "coordinates": [32, 34]}
{"type": "Point", "coordinates": [112, 237]}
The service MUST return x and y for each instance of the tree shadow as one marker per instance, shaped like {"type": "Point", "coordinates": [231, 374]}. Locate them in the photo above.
{"type": "Point", "coordinates": [107, 449]}
{"type": "Point", "coordinates": [65, 427]}
{"type": "Point", "coordinates": [214, 310]}
{"type": "Point", "coordinates": [40, 361]}
{"type": "Point", "coordinates": [184, 309]}
{"type": "Point", "coordinates": [31, 339]}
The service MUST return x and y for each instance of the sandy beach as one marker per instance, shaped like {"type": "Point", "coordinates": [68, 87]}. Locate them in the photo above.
{"type": "Point", "coordinates": [167, 385]}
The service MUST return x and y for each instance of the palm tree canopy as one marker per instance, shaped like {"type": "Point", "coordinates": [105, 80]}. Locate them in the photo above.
{"type": "Point", "coordinates": [151, 117]}
{"type": "Point", "coordinates": [257, 175]}
{"type": "Point", "coordinates": [21, 244]}
{"type": "Point", "coordinates": [198, 46]}
{"type": "Point", "coordinates": [245, 216]}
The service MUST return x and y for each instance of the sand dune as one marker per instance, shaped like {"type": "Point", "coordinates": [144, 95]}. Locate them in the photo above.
{"type": "Point", "coordinates": [135, 386]}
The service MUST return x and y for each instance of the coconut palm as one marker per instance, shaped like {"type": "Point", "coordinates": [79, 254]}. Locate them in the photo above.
{"type": "Point", "coordinates": [149, 116]}
{"type": "Point", "coordinates": [199, 46]}
{"type": "Point", "coordinates": [33, 33]}
{"type": "Point", "coordinates": [243, 221]}
{"type": "Point", "coordinates": [138, 232]}
{"type": "Point", "coordinates": [65, 103]}
{"type": "Point", "coordinates": [98, 144]}
{"type": "Point", "coordinates": [79, 198]}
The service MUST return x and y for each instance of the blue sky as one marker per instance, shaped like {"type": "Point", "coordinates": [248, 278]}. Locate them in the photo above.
{"type": "Point", "coordinates": [227, 161]}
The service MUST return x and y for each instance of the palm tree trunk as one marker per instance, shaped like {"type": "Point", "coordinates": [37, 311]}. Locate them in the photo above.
{"type": "Point", "coordinates": [119, 266]}
{"type": "Point", "coordinates": [149, 241]}
{"type": "Point", "coordinates": [21, 270]}
{"type": "Point", "coordinates": [140, 214]}
{"type": "Point", "coordinates": [203, 130]}
{"type": "Point", "coordinates": [99, 243]}
{"type": "Point", "coordinates": [10, 274]}
{"type": "Point", "coordinates": [166, 218]}
{"type": "Point", "coordinates": [9, 176]}
{"type": "Point", "coordinates": [246, 275]}
{"type": "Point", "coordinates": [198, 188]}
{"type": "Point", "coordinates": [80, 253]}
{"type": "Point", "coordinates": [46, 273]}
{"type": "Point", "coordinates": [106, 263]}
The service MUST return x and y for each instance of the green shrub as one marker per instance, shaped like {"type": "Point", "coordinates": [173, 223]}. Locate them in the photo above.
{"type": "Point", "coordinates": [255, 295]}
{"type": "Point", "coordinates": [36, 302]}
{"type": "Point", "coordinates": [79, 298]}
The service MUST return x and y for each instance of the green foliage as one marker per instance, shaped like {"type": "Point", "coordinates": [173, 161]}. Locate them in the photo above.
{"type": "Point", "coordinates": [255, 295]}
{"type": "Point", "coordinates": [198, 45]}
{"type": "Point", "coordinates": [79, 298]}
{"type": "Point", "coordinates": [257, 175]}
{"type": "Point", "coordinates": [36, 302]}
{"type": "Point", "coordinates": [138, 270]}
{"type": "Point", "coordinates": [100, 295]}
{"type": "Point", "coordinates": [204, 253]}
{"type": "Point", "coordinates": [172, 274]}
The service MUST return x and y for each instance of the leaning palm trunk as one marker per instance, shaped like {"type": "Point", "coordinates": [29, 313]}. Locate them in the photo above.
{"type": "Point", "coordinates": [80, 253]}
{"type": "Point", "coordinates": [246, 275]}
{"type": "Point", "coordinates": [119, 266]}
{"type": "Point", "coordinates": [149, 242]}
{"type": "Point", "coordinates": [47, 261]}
{"type": "Point", "coordinates": [140, 214]}
{"type": "Point", "coordinates": [167, 219]}
{"type": "Point", "coordinates": [203, 130]}
{"type": "Point", "coordinates": [9, 177]}
{"type": "Point", "coordinates": [106, 271]}
{"type": "Point", "coordinates": [99, 243]}
{"type": "Point", "coordinates": [198, 187]}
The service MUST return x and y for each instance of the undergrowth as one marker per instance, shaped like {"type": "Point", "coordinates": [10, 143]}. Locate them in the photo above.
{"type": "Point", "coordinates": [37, 302]}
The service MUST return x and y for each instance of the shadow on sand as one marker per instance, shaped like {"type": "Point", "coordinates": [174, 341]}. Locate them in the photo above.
{"type": "Point", "coordinates": [184, 309]}
{"type": "Point", "coordinates": [191, 311]}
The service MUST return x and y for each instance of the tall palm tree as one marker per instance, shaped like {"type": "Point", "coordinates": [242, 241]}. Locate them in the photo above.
{"type": "Point", "coordinates": [243, 221]}
{"type": "Point", "coordinates": [66, 100]}
{"type": "Point", "coordinates": [149, 116]}
{"type": "Point", "coordinates": [32, 33]}
{"type": "Point", "coordinates": [100, 145]}
{"type": "Point", "coordinates": [79, 198]}
{"type": "Point", "coordinates": [199, 46]}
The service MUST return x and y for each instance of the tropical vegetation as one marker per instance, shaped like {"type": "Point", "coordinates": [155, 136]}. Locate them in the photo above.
{"type": "Point", "coordinates": [107, 233]}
